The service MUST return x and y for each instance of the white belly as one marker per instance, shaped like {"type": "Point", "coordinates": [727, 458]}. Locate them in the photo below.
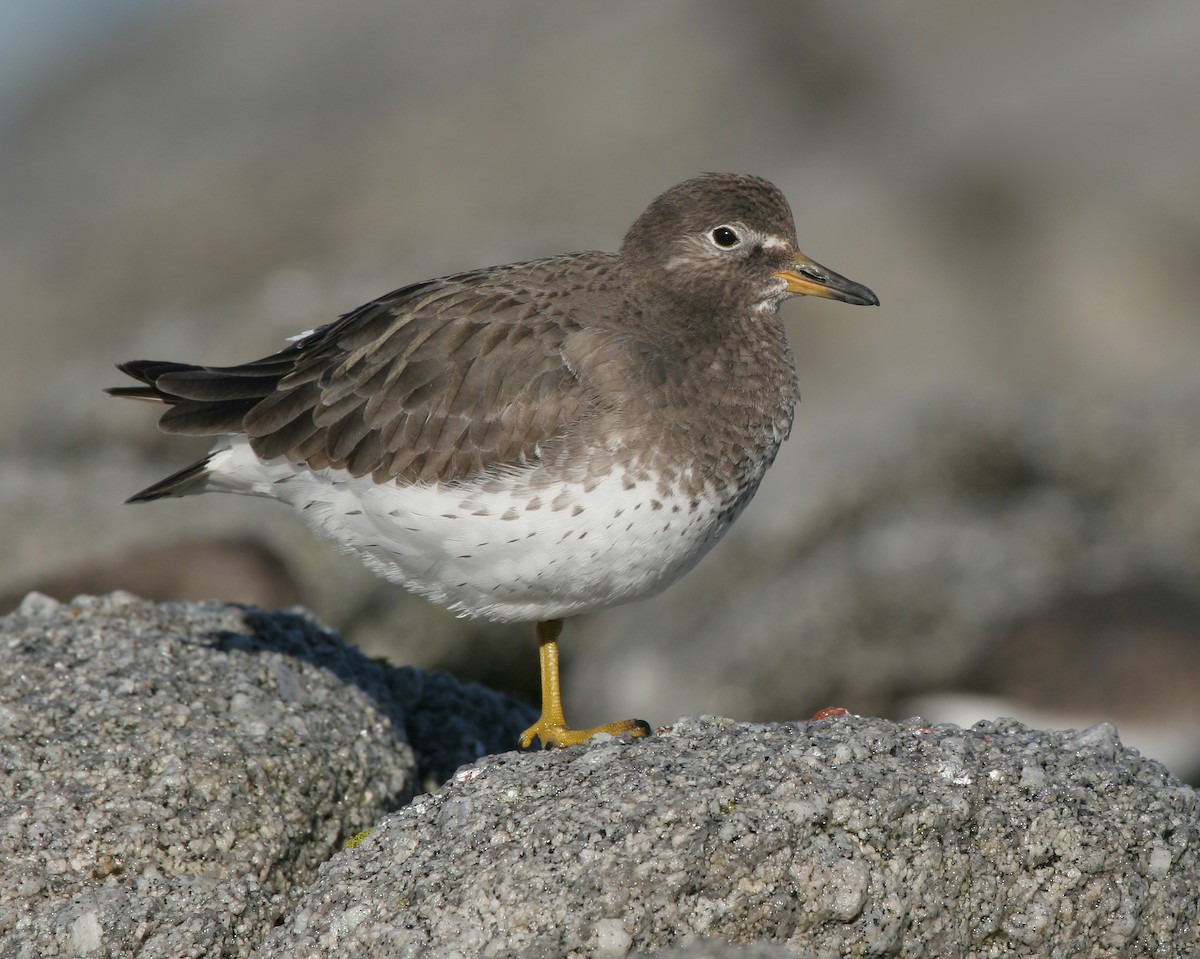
{"type": "Point", "coordinates": [516, 555]}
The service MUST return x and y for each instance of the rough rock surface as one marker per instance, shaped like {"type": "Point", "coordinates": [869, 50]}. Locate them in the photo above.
{"type": "Point", "coordinates": [180, 780]}
{"type": "Point", "coordinates": [716, 949]}
{"type": "Point", "coordinates": [171, 776]}
{"type": "Point", "coordinates": [848, 837]}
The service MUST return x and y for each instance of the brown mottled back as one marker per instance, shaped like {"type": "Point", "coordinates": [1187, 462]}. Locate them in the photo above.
{"type": "Point", "coordinates": [434, 382]}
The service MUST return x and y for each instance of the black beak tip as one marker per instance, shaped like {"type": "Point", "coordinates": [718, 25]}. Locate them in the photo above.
{"type": "Point", "coordinates": [858, 295]}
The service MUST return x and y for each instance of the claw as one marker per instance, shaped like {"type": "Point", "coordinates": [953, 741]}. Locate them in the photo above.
{"type": "Point", "coordinates": [558, 735]}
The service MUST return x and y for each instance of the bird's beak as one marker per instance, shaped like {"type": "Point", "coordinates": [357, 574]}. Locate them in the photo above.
{"type": "Point", "coordinates": [808, 278]}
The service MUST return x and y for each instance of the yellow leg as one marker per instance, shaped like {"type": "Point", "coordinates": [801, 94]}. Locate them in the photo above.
{"type": "Point", "coordinates": [551, 727]}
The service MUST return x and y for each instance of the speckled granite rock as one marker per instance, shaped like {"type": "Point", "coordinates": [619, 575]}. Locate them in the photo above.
{"type": "Point", "coordinates": [850, 837]}
{"type": "Point", "coordinates": [715, 949]}
{"type": "Point", "coordinates": [177, 779]}
{"type": "Point", "coordinates": [170, 776]}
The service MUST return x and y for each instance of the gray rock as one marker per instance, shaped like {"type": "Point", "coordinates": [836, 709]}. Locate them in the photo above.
{"type": "Point", "coordinates": [178, 779]}
{"type": "Point", "coordinates": [846, 837]}
{"type": "Point", "coordinates": [715, 949]}
{"type": "Point", "coordinates": [173, 775]}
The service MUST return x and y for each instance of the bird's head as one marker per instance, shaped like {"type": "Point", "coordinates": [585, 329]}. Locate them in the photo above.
{"type": "Point", "coordinates": [722, 240]}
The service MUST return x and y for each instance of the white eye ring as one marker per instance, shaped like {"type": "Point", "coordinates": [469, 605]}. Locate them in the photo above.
{"type": "Point", "coordinates": [724, 237]}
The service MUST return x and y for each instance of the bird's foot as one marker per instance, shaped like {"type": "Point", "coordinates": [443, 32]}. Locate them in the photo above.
{"type": "Point", "coordinates": [558, 735]}
{"type": "Point", "coordinates": [551, 727]}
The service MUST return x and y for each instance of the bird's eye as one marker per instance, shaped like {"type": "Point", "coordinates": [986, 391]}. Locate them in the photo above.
{"type": "Point", "coordinates": [725, 237]}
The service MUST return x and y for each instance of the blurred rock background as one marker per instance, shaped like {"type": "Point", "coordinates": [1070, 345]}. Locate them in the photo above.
{"type": "Point", "coordinates": [991, 501]}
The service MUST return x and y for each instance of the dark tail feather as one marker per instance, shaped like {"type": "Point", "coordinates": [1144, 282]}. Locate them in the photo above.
{"type": "Point", "coordinates": [190, 479]}
{"type": "Point", "coordinates": [136, 393]}
{"type": "Point", "coordinates": [148, 372]}
{"type": "Point", "coordinates": [202, 401]}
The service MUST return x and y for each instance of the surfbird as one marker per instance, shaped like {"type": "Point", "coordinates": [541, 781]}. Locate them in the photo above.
{"type": "Point", "coordinates": [524, 443]}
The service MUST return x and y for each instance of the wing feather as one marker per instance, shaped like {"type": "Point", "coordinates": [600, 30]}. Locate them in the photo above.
{"type": "Point", "coordinates": [435, 382]}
